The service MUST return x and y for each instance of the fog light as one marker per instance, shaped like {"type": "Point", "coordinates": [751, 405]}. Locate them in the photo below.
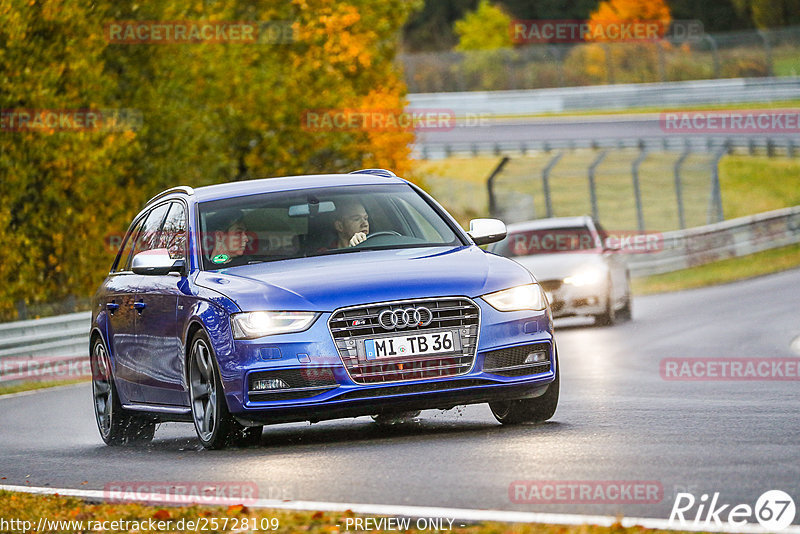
{"type": "Point", "coordinates": [269, 383]}
{"type": "Point", "coordinates": [536, 357]}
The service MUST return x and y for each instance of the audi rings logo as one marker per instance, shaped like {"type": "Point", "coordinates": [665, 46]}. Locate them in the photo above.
{"type": "Point", "coordinates": [403, 318]}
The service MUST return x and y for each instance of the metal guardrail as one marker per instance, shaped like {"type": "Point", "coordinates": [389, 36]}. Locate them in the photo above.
{"type": "Point", "coordinates": [50, 348]}
{"type": "Point", "coordinates": [58, 346]}
{"type": "Point", "coordinates": [611, 97]}
{"type": "Point", "coordinates": [767, 145]}
{"type": "Point", "coordinates": [728, 239]}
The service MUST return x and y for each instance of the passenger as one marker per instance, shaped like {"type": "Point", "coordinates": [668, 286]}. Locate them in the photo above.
{"type": "Point", "coordinates": [230, 235]}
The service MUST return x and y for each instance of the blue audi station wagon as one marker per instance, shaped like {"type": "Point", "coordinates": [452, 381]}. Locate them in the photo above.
{"type": "Point", "coordinates": [308, 298]}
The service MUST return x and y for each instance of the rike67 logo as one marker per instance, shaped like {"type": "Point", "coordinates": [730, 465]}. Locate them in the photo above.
{"type": "Point", "coordinates": [774, 510]}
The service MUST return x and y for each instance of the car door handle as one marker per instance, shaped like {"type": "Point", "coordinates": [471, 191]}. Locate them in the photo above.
{"type": "Point", "coordinates": [139, 305]}
{"type": "Point", "coordinates": [112, 306]}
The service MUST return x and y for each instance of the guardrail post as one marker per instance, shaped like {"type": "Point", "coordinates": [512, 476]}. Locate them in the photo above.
{"type": "Point", "coordinates": [636, 190]}
{"type": "Point", "coordinates": [678, 185]}
{"type": "Point", "coordinates": [770, 147]}
{"type": "Point", "coordinates": [715, 202]}
{"type": "Point", "coordinates": [789, 147]}
{"type": "Point", "coordinates": [546, 182]}
{"type": "Point", "coordinates": [592, 189]}
{"type": "Point", "coordinates": [490, 185]}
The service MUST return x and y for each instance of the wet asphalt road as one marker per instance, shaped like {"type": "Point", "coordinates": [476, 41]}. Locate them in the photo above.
{"type": "Point", "coordinates": [618, 420]}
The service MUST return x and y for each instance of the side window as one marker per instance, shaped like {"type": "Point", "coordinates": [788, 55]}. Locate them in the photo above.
{"type": "Point", "coordinates": [149, 234]}
{"type": "Point", "coordinates": [173, 234]}
{"type": "Point", "coordinates": [125, 251]}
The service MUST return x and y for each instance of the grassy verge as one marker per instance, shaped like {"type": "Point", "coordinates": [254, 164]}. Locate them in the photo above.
{"type": "Point", "coordinates": [720, 272]}
{"type": "Point", "coordinates": [750, 185]}
{"type": "Point", "coordinates": [657, 109]}
{"type": "Point", "coordinates": [26, 507]}
{"type": "Point", "coordinates": [37, 384]}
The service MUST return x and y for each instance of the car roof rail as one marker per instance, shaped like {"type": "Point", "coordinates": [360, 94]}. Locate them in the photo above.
{"type": "Point", "coordinates": [185, 189]}
{"type": "Point", "coordinates": [377, 172]}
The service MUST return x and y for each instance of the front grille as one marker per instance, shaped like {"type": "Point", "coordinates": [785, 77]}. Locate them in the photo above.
{"type": "Point", "coordinates": [303, 383]}
{"type": "Point", "coordinates": [511, 361]}
{"type": "Point", "coordinates": [350, 327]}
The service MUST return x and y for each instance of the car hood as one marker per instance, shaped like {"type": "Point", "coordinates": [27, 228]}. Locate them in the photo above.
{"type": "Point", "coordinates": [325, 283]}
{"type": "Point", "coordinates": [558, 266]}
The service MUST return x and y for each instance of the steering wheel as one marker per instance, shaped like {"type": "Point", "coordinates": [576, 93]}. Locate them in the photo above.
{"type": "Point", "coordinates": [376, 234]}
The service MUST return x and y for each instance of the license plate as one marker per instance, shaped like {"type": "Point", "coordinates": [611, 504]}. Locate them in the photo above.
{"type": "Point", "coordinates": [409, 345]}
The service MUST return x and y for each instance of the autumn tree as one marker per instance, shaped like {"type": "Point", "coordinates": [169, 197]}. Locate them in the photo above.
{"type": "Point", "coordinates": [207, 113]}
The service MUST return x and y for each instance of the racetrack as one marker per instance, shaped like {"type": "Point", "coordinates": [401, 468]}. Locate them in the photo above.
{"type": "Point", "coordinates": [618, 420]}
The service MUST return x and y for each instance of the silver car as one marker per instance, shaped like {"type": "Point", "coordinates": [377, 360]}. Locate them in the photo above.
{"type": "Point", "coordinates": [576, 264]}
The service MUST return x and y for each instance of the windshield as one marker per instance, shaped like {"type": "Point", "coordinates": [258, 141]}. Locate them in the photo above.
{"type": "Point", "coordinates": [547, 241]}
{"type": "Point", "coordinates": [316, 222]}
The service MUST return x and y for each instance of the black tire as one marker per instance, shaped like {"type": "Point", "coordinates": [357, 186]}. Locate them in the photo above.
{"type": "Point", "coordinates": [388, 419]}
{"type": "Point", "coordinates": [215, 426]}
{"type": "Point", "coordinates": [609, 316]}
{"type": "Point", "coordinates": [117, 426]}
{"type": "Point", "coordinates": [626, 313]}
{"type": "Point", "coordinates": [536, 410]}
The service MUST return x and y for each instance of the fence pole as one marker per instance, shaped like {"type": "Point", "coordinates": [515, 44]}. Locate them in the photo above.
{"type": "Point", "coordinates": [636, 190]}
{"type": "Point", "coordinates": [548, 204]}
{"type": "Point", "coordinates": [767, 51]}
{"type": "Point", "coordinates": [678, 185]}
{"type": "Point", "coordinates": [715, 203]}
{"type": "Point", "coordinates": [609, 64]}
{"type": "Point", "coordinates": [490, 185]}
{"type": "Point", "coordinates": [714, 53]}
{"type": "Point", "coordinates": [592, 188]}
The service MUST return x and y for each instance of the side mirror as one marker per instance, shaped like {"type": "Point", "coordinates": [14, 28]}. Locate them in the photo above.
{"type": "Point", "coordinates": [484, 231]}
{"type": "Point", "coordinates": [157, 262]}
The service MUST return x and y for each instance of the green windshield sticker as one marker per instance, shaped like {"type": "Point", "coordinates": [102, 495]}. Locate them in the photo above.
{"type": "Point", "coordinates": [220, 258]}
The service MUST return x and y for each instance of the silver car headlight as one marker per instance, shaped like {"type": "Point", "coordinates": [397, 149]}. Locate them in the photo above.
{"type": "Point", "coordinates": [527, 297]}
{"type": "Point", "coordinates": [250, 325]}
{"type": "Point", "coordinates": [588, 276]}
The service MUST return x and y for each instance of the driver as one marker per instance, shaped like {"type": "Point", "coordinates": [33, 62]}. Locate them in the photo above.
{"type": "Point", "coordinates": [351, 223]}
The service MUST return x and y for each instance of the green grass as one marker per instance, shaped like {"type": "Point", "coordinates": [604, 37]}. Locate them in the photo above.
{"type": "Point", "coordinates": [36, 384]}
{"type": "Point", "coordinates": [27, 507]}
{"type": "Point", "coordinates": [720, 272]}
{"type": "Point", "coordinates": [756, 184]}
{"type": "Point", "coordinates": [785, 64]}
{"type": "Point", "coordinates": [750, 185]}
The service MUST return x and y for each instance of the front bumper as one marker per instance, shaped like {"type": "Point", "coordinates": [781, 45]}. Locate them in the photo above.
{"type": "Point", "coordinates": [321, 387]}
{"type": "Point", "coordinates": [567, 300]}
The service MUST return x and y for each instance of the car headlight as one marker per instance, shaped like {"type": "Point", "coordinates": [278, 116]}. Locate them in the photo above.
{"type": "Point", "coordinates": [251, 325]}
{"type": "Point", "coordinates": [527, 297]}
{"type": "Point", "coordinates": [585, 277]}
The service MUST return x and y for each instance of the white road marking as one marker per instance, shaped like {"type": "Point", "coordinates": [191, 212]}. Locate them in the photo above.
{"type": "Point", "coordinates": [463, 514]}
